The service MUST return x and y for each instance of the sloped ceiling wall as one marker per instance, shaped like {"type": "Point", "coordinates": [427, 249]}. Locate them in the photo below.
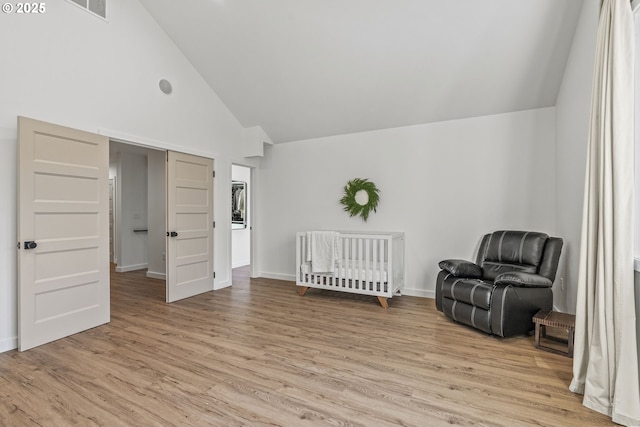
{"type": "Point", "coordinates": [314, 68]}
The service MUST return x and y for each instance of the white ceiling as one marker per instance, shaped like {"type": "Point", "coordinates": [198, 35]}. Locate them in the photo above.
{"type": "Point", "coordinates": [310, 68]}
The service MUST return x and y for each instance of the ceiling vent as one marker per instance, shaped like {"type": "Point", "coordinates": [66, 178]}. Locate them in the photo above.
{"type": "Point", "coordinates": [96, 7]}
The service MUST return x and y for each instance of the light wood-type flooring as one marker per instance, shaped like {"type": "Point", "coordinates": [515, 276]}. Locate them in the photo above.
{"type": "Point", "coordinates": [260, 354]}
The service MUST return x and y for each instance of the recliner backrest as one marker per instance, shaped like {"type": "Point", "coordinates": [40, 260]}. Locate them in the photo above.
{"type": "Point", "coordinates": [504, 251]}
{"type": "Point", "coordinates": [550, 260]}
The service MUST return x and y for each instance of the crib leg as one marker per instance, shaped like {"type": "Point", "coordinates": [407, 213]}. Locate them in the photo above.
{"type": "Point", "coordinates": [303, 290]}
{"type": "Point", "coordinates": [383, 302]}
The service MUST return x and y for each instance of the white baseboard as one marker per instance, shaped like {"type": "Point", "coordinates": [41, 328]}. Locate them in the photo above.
{"type": "Point", "coordinates": [237, 264]}
{"type": "Point", "coordinates": [277, 276]}
{"type": "Point", "coordinates": [124, 269]}
{"type": "Point", "coordinates": [221, 285]}
{"type": "Point", "coordinates": [8, 344]}
{"type": "Point", "coordinates": [156, 275]}
{"type": "Point", "coordinates": [412, 292]}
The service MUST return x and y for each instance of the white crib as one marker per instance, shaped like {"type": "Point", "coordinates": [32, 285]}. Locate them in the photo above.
{"type": "Point", "coordinates": [371, 264]}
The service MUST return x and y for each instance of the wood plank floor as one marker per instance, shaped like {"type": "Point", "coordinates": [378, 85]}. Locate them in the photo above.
{"type": "Point", "coordinates": [259, 354]}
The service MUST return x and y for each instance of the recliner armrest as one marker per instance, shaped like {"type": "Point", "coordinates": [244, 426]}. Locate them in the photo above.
{"type": "Point", "coordinates": [461, 268]}
{"type": "Point", "coordinates": [523, 280]}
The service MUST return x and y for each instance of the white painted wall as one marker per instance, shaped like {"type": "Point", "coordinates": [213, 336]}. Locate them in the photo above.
{"type": "Point", "coordinates": [113, 230]}
{"type": "Point", "coordinates": [241, 237]}
{"type": "Point", "coordinates": [156, 196]}
{"type": "Point", "coordinates": [70, 68]}
{"type": "Point", "coordinates": [8, 239]}
{"type": "Point", "coordinates": [443, 184]}
{"type": "Point", "coordinates": [131, 196]}
{"type": "Point", "coordinates": [572, 130]}
{"type": "Point", "coordinates": [636, 275]}
{"type": "Point", "coordinates": [636, 252]}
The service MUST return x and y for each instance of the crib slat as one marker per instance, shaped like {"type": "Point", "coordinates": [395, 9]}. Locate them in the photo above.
{"type": "Point", "coordinates": [362, 263]}
{"type": "Point", "coordinates": [352, 257]}
{"type": "Point", "coordinates": [391, 268]}
{"type": "Point", "coordinates": [345, 257]}
{"type": "Point", "coordinates": [341, 264]}
{"type": "Point", "coordinates": [374, 265]}
{"type": "Point", "coordinates": [379, 266]}
{"type": "Point", "coordinates": [338, 271]}
{"type": "Point", "coordinates": [362, 248]}
{"type": "Point", "coordinates": [299, 254]}
{"type": "Point", "coordinates": [371, 274]}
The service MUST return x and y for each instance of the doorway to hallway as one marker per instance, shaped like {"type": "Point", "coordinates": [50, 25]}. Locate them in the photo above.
{"type": "Point", "coordinates": [241, 232]}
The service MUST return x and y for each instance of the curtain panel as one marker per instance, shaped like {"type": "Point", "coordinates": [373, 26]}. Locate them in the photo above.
{"type": "Point", "coordinates": [605, 365]}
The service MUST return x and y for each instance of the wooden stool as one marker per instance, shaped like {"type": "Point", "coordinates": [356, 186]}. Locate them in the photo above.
{"type": "Point", "coordinates": [565, 321]}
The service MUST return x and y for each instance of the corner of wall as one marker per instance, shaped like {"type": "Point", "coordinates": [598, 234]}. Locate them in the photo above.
{"type": "Point", "coordinates": [221, 285]}
{"type": "Point", "coordinates": [572, 129]}
{"type": "Point", "coordinates": [8, 344]}
{"type": "Point", "coordinates": [254, 139]}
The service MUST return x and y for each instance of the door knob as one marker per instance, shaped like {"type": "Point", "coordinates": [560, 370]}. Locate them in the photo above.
{"type": "Point", "coordinates": [174, 234]}
{"type": "Point", "coordinates": [30, 244]}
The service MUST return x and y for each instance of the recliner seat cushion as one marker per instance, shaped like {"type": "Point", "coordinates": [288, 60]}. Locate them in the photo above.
{"type": "Point", "coordinates": [467, 314]}
{"type": "Point", "coordinates": [475, 292]}
{"type": "Point", "coordinates": [523, 280]}
{"type": "Point", "coordinates": [491, 269]}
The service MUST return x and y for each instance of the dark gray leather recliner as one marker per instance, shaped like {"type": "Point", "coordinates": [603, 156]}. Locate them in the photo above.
{"type": "Point", "coordinates": [509, 282]}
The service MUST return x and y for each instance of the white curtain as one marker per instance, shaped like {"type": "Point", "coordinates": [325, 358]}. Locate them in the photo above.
{"type": "Point", "coordinates": [605, 365]}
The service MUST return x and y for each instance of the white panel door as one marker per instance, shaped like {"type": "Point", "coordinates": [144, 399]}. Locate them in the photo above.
{"type": "Point", "coordinates": [189, 225]}
{"type": "Point", "coordinates": [63, 226]}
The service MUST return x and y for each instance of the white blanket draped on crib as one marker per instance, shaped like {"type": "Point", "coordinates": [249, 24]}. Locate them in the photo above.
{"type": "Point", "coordinates": [323, 250]}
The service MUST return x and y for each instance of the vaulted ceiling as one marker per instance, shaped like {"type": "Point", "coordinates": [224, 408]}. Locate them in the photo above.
{"type": "Point", "coordinates": [310, 68]}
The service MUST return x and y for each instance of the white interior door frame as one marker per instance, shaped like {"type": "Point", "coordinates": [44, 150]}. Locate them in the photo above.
{"type": "Point", "coordinates": [252, 189]}
{"type": "Point", "coordinates": [253, 207]}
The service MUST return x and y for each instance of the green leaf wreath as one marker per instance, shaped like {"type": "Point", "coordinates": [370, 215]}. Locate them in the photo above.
{"type": "Point", "coordinates": [349, 198]}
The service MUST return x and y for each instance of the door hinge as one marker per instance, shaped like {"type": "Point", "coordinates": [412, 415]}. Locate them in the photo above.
{"type": "Point", "coordinates": [214, 224]}
{"type": "Point", "coordinates": [214, 274]}
{"type": "Point", "coordinates": [214, 174]}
